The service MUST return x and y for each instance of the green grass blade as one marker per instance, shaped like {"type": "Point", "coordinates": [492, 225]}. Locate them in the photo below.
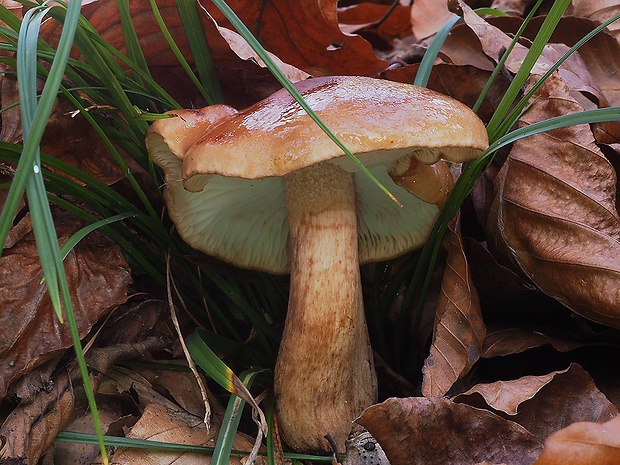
{"type": "Point", "coordinates": [178, 54]}
{"type": "Point", "coordinates": [86, 230]}
{"type": "Point", "coordinates": [500, 64]}
{"type": "Point", "coordinates": [288, 85]}
{"type": "Point", "coordinates": [426, 65]}
{"type": "Point", "coordinates": [132, 44]}
{"type": "Point", "coordinates": [542, 38]}
{"type": "Point", "coordinates": [230, 423]}
{"type": "Point", "coordinates": [213, 366]}
{"type": "Point", "coordinates": [201, 51]}
{"type": "Point", "coordinates": [114, 441]}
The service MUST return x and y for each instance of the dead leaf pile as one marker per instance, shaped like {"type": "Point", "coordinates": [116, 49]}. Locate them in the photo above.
{"type": "Point", "coordinates": [516, 369]}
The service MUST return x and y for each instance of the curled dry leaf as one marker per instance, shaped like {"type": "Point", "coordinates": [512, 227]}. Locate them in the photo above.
{"type": "Point", "coordinates": [555, 212]}
{"type": "Point", "coordinates": [431, 431]}
{"type": "Point", "coordinates": [30, 333]}
{"type": "Point", "coordinates": [545, 404]}
{"type": "Point", "coordinates": [459, 330]}
{"type": "Point", "coordinates": [583, 444]}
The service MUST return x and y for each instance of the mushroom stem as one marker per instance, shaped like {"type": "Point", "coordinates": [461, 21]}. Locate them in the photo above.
{"type": "Point", "coordinates": [324, 374]}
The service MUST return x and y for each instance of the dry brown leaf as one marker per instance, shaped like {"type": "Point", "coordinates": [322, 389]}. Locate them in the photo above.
{"type": "Point", "coordinates": [238, 45]}
{"type": "Point", "coordinates": [113, 418]}
{"type": "Point", "coordinates": [556, 215]}
{"type": "Point", "coordinates": [70, 138]}
{"type": "Point", "coordinates": [545, 404]}
{"type": "Point", "coordinates": [508, 341]}
{"type": "Point", "coordinates": [159, 423]}
{"type": "Point", "coordinates": [437, 431]}
{"type": "Point", "coordinates": [98, 277]}
{"type": "Point", "coordinates": [583, 444]}
{"type": "Point", "coordinates": [459, 330]}
{"type": "Point", "coordinates": [306, 35]}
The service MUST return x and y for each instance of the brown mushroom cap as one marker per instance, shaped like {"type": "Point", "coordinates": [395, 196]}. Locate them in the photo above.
{"type": "Point", "coordinates": [231, 175]}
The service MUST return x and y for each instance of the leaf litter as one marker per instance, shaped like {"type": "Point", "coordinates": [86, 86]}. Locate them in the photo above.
{"type": "Point", "coordinates": [504, 383]}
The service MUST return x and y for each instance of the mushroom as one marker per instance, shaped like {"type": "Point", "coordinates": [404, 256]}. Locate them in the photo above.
{"type": "Point", "coordinates": [266, 189]}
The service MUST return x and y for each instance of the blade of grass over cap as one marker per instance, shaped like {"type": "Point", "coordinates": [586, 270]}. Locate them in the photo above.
{"type": "Point", "coordinates": [286, 83]}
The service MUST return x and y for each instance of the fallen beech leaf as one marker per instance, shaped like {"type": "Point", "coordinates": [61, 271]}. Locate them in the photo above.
{"type": "Point", "coordinates": [306, 34]}
{"type": "Point", "coordinates": [583, 444]}
{"type": "Point", "coordinates": [545, 404]}
{"type": "Point", "coordinates": [555, 212]}
{"type": "Point", "coordinates": [161, 424]}
{"type": "Point", "coordinates": [30, 333]}
{"type": "Point", "coordinates": [423, 431]}
{"type": "Point", "coordinates": [459, 330]}
{"type": "Point", "coordinates": [509, 341]}
{"type": "Point", "coordinates": [114, 417]}
{"type": "Point", "coordinates": [11, 115]}
{"type": "Point", "coordinates": [601, 57]}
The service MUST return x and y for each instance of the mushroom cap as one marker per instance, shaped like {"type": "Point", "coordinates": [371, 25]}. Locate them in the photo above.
{"type": "Point", "coordinates": [224, 180]}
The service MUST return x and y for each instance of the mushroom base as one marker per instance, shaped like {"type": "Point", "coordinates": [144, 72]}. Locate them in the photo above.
{"type": "Point", "coordinates": [324, 376]}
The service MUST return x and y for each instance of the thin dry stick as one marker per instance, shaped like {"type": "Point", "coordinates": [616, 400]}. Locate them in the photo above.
{"type": "Point", "coordinates": [190, 362]}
